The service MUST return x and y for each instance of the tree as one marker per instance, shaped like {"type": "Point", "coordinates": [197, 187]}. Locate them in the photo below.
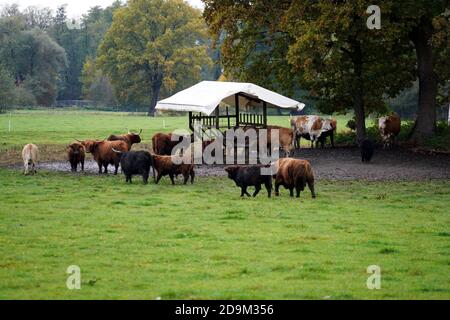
{"type": "Point", "coordinates": [40, 18]}
{"type": "Point", "coordinates": [6, 88]}
{"type": "Point", "coordinates": [153, 46]}
{"type": "Point", "coordinates": [428, 25]}
{"type": "Point", "coordinates": [39, 60]}
{"type": "Point", "coordinates": [326, 47]}
{"type": "Point", "coordinates": [97, 86]}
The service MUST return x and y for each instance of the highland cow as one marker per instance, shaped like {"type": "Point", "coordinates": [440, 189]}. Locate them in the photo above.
{"type": "Point", "coordinates": [245, 176]}
{"type": "Point", "coordinates": [294, 174]}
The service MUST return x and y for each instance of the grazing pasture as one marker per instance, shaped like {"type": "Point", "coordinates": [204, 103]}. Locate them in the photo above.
{"type": "Point", "coordinates": [203, 241]}
{"type": "Point", "coordinates": [52, 130]}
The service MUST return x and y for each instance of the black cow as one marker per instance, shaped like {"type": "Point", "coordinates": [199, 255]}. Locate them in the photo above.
{"type": "Point", "coordinates": [245, 176]}
{"type": "Point", "coordinates": [366, 147]}
{"type": "Point", "coordinates": [136, 162]}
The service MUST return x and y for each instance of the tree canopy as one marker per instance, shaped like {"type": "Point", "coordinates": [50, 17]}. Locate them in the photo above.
{"type": "Point", "coordinates": [153, 46]}
{"type": "Point", "coordinates": [326, 47]}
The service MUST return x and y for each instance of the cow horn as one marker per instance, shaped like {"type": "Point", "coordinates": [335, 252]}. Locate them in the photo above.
{"type": "Point", "coordinates": [79, 140]}
{"type": "Point", "coordinates": [116, 151]}
{"type": "Point", "coordinates": [128, 130]}
{"type": "Point", "coordinates": [140, 131]}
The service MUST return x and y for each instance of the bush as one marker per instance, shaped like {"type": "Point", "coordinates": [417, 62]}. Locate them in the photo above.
{"type": "Point", "coordinates": [441, 141]}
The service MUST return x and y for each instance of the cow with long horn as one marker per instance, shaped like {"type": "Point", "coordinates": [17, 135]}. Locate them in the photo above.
{"type": "Point", "coordinates": [103, 153]}
{"type": "Point", "coordinates": [130, 138]}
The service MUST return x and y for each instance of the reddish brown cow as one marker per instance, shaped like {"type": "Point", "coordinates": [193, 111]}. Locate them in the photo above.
{"type": "Point", "coordinates": [166, 165]}
{"type": "Point", "coordinates": [163, 145]}
{"type": "Point", "coordinates": [130, 138]}
{"type": "Point", "coordinates": [285, 136]}
{"type": "Point", "coordinates": [104, 154]}
{"type": "Point", "coordinates": [294, 173]}
{"type": "Point", "coordinates": [389, 127]}
{"type": "Point", "coordinates": [75, 155]}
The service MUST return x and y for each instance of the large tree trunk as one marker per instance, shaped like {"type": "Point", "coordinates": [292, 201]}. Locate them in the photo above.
{"type": "Point", "coordinates": [155, 94]}
{"type": "Point", "coordinates": [360, 116]}
{"type": "Point", "coordinates": [426, 114]}
{"type": "Point", "coordinates": [358, 92]}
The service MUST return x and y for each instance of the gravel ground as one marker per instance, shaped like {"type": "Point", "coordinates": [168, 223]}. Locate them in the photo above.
{"type": "Point", "coordinates": [336, 164]}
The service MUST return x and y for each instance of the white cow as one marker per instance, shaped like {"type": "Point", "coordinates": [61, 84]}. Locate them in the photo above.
{"type": "Point", "coordinates": [30, 157]}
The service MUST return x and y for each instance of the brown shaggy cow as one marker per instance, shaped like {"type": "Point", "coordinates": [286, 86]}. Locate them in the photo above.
{"type": "Point", "coordinates": [162, 143]}
{"type": "Point", "coordinates": [166, 165]}
{"type": "Point", "coordinates": [130, 138]}
{"type": "Point", "coordinates": [389, 127]}
{"type": "Point", "coordinates": [75, 155]}
{"type": "Point", "coordinates": [294, 173]}
{"type": "Point", "coordinates": [285, 136]}
{"type": "Point", "coordinates": [103, 152]}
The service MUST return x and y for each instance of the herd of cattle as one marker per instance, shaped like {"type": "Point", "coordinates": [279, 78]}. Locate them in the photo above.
{"type": "Point", "coordinates": [290, 173]}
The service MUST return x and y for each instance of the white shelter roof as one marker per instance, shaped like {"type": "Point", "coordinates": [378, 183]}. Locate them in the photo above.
{"type": "Point", "coordinates": [205, 96]}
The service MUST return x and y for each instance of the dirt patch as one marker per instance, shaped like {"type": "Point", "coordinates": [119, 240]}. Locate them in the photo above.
{"type": "Point", "coordinates": [334, 164]}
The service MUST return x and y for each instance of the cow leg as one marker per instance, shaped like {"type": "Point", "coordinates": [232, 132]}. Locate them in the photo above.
{"type": "Point", "coordinates": [116, 167]}
{"type": "Point", "coordinates": [268, 186]}
{"type": "Point", "coordinates": [311, 187]}
{"type": "Point", "coordinates": [257, 190]}
{"type": "Point", "coordinates": [82, 165]}
{"type": "Point", "coordinates": [158, 177]}
{"type": "Point", "coordinates": [277, 188]}
{"type": "Point", "coordinates": [99, 167]}
{"type": "Point", "coordinates": [297, 191]}
{"type": "Point", "coordinates": [171, 178]}
{"type": "Point", "coordinates": [291, 191]}
{"type": "Point", "coordinates": [145, 176]}
{"type": "Point", "coordinates": [186, 178]}
{"type": "Point", "coordinates": [192, 176]}
{"type": "Point", "coordinates": [106, 168]}
{"type": "Point", "coordinates": [244, 191]}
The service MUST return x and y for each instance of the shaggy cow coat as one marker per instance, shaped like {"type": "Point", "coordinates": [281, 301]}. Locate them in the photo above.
{"type": "Point", "coordinates": [245, 176]}
{"type": "Point", "coordinates": [167, 165]}
{"type": "Point", "coordinates": [30, 158]}
{"type": "Point", "coordinates": [75, 155]}
{"type": "Point", "coordinates": [103, 153]}
{"type": "Point", "coordinates": [294, 174]}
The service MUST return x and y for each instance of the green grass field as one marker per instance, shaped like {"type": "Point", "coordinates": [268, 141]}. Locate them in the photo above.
{"type": "Point", "coordinates": [59, 127]}
{"type": "Point", "coordinates": [203, 241]}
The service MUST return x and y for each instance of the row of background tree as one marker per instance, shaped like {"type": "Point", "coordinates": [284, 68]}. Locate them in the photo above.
{"type": "Point", "coordinates": [45, 57]}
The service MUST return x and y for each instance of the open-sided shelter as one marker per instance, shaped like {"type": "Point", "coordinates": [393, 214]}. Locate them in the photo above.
{"type": "Point", "coordinates": [225, 105]}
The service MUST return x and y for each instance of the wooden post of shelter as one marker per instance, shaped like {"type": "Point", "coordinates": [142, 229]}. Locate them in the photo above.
{"type": "Point", "coordinates": [217, 118]}
{"type": "Point", "coordinates": [265, 114]}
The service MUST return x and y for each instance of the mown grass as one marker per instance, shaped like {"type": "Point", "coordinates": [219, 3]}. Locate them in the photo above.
{"type": "Point", "coordinates": [53, 129]}
{"type": "Point", "coordinates": [203, 241]}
